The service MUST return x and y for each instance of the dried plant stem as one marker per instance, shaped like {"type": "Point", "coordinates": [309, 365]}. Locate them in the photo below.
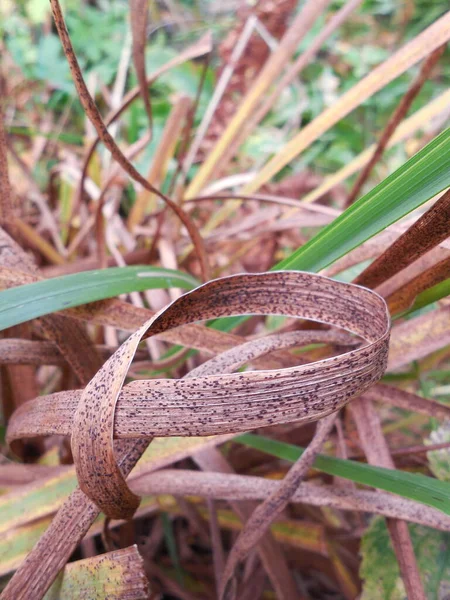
{"type": "Point", "coordinates": [96, 119]}
{"type": "Point", "coordinates": [276, 62]}
{"type": "Point", "coordinates": [432, 228]}
{"type": "Point", "coordinates": [300, 63]}
{"type": "Point", "coordinates": [394, 121]}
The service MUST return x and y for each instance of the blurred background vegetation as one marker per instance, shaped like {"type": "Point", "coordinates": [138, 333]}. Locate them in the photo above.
{"type": "Point", "coordinates": [101, 37]}
{"type": "Point", "coordinates": [43, 103]}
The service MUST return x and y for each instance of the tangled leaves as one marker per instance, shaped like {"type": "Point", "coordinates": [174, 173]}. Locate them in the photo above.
{"type": "Point", "coordinates": [211, 403]}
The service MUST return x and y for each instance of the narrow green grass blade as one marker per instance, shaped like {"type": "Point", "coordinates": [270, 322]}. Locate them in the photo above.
{"type": "Point", "coordinates": [172, 546]}
{"type": "Point", "coordinates": [432, 294]}
{"type": "Point", "coordinates": [26, 302]}
{"type": "Point", "coordinates": [423, 176]}
{"type": "Point", "coordinates": [409, 485]}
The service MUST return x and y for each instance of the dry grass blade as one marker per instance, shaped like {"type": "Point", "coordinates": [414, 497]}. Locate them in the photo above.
{"type": "Point", "coordinates": [435, 36]}
{"type": "Point", "coordinates": [427, 232]}
{"type": "Point", "coordinates": [377, 452]}
{"type": "Point", "coordinates": [394, 121]}
{"type": "Point", "coordinates": [165, 151]}
{"type": "Point", "coordinates": [38, 242]}
{"type": "Point", "coordinates": [300, 26]}
{"type": "Point", "coordinates": [17, 474]}
{"type": "Point", "coordinates": [300, 63]}
{"type": "Point", "coordinates": [232, 359]}
{"type": "Point", "coordinates": [263, 516]}
{"type": "Point", "coordinates": [139, 21]}
{"type": "Point", "coordinates": [21, 378]}
{"type": "Point", "coordinates": [184, 404]}
{"type": "Point", "coordinates": [408, 401]}
{"type": "Point", "coordinates": [94, 115]}
{"type": "Point", "coordinates": [423, 264]}
{"type": "Point", "coordinates": [241, 488]}
{"type": "Point", "coordinates": [32, 352]}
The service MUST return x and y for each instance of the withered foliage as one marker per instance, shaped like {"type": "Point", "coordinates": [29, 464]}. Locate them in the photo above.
{"type": "Point", "coordinates": [90, 391]}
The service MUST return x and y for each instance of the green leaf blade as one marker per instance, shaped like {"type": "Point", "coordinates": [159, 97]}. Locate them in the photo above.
{"type": "Point", "coordinates": [423, 176]}
{"type": "Point", "coordinates": [33, 300]}
{"type": "Point", "coordinates": [417, 487]}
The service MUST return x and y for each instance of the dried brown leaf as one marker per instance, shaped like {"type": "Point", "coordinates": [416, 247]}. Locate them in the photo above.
{"type": "Point", "coordinates": [232, 487]}
{"type": "Point", "coordinates": [427, 232]}
{"type": "Point", "coordinates": [267, 397]}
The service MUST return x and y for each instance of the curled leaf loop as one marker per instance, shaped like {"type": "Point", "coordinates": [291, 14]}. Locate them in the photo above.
{"type": "Point", "coordinates": [210, 404]}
